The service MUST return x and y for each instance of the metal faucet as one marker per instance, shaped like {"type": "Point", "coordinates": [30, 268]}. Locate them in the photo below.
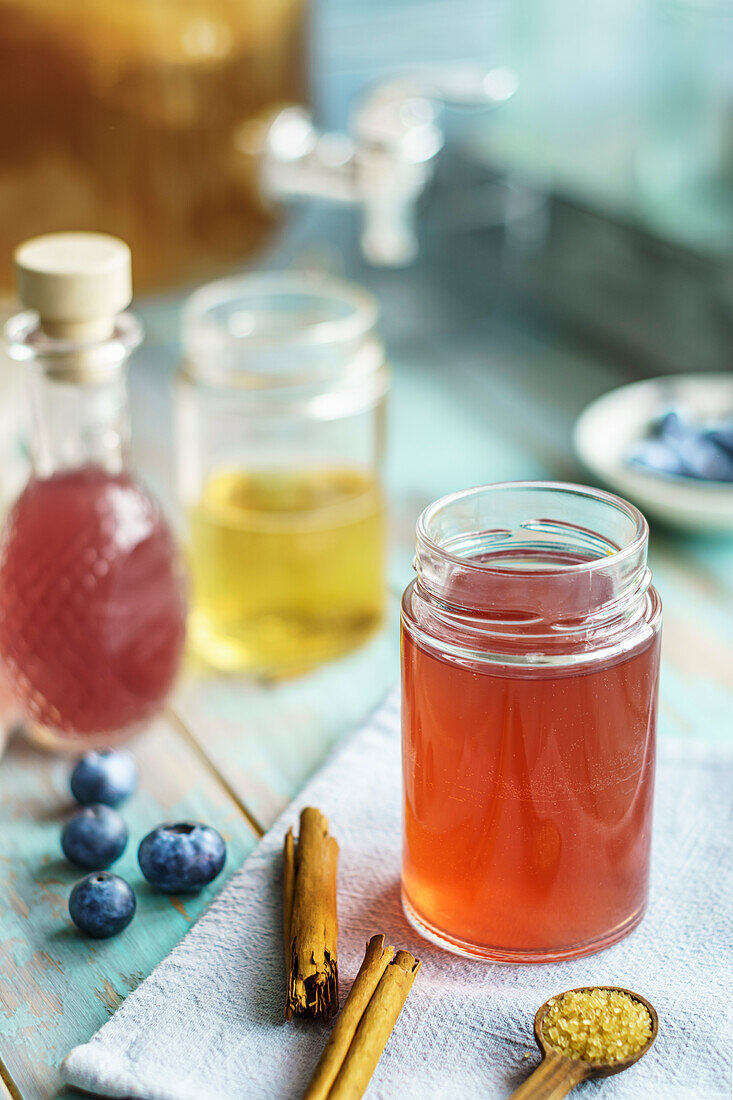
{"type": "Point", "coordinates": [384, 164]}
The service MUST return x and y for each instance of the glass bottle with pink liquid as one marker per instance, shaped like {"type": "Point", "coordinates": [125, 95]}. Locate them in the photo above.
{"type": "Point", "coordinates": [92, 592]}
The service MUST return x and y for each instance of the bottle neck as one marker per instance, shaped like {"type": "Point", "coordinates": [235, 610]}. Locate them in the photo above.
{"type": "Point", "coordinates": [77, 390]}
{"type": "Point", "coordinates": [77, 424]}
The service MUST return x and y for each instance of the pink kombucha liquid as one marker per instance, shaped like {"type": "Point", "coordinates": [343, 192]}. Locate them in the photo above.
{"type": "Point", "coordinates": [528, 800]}
{"type": "Point", "coordinates": [92, 604]}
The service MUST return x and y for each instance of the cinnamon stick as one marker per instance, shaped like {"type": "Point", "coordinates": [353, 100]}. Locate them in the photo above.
{"type": "Point", "coordinates": [288, 890]}
{"type": "Point", "coordinates": [309, 918]}
{"type": "Point", "coordinates": [365, 1024]}
{"type": "Point", "coordinates": [371, 970]}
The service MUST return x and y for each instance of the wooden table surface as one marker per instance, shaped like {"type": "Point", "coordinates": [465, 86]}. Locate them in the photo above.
{"type": "Point", "coordinates": [475, 399]}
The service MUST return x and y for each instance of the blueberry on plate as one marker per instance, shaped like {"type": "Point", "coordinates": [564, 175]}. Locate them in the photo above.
{"type": "Point", "coordinates": [705, 460]}
{"type": "Point", "coordinates": [670, 425]}
{"type": "Point", "coordinates": [109, 776]}
{"type": "Point", "coordinates": [722, 435]}
{"type": "Point", "coordinates": [658, 456]}
{"type": "Point", "coordinates": [94, 838]}
{"type": "Point", "coordinates": [181, 858]}
{"type": "Point", "coordinates": [102, 904]}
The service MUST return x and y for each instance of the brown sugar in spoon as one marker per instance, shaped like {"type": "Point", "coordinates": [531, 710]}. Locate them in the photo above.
{"type": "Point", "coordinates": [559, 1073]}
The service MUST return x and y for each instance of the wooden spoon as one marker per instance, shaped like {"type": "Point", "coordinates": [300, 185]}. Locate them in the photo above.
{"type": "Point", "coordinates": [557, 1075]}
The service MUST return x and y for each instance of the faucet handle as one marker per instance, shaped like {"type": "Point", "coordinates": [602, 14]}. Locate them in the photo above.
{"type": "Point", "coordinates": [386, 161]}
{"type": "Point", "coordinates": [398, 137]}
{"type": "Point", "coordinates": [418, 94]}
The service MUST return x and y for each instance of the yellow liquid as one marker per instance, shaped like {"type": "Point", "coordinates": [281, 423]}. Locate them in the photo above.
{"type": "Point", "coordinates": [288, 567]}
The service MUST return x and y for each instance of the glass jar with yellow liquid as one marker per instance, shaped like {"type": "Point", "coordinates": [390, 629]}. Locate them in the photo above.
{"type": "Point", "coordinates": [280, 435]}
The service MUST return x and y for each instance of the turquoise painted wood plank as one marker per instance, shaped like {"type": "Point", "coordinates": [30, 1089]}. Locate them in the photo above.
{"type": "Point", "coordinates": [268, 739]}
{"type": "Point", "coordinates": [57, 987]}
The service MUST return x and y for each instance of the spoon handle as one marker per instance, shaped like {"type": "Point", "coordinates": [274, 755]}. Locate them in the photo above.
{"type": "Point", "coordinates": [554, 1078]}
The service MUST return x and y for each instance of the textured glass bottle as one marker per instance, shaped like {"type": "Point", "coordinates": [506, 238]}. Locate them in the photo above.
{"type": "Point", "coordinates": [92, 599]}
{"type": "Point", "coordinates": [280, 437]}
{"type": "Point", "coordinates": [530, 670]}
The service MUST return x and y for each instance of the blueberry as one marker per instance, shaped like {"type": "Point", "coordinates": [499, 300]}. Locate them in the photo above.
{"type": "Point", "coordinates": [94, 837]}
{"type": "Point", "coordinates": [722, 435]}
{"type": "Point", "coordinates": [671, 425]}
{"type": "Point", "coordinates": [102, 904]}
{"type": "Point", "coordinates": [180, 859]}
{"type": "Point", "coordinates": [109, 776]}
{"type": "Point", "coordinates": [658, 456]}
{"type": "Point", "coordinates": [702, 458]}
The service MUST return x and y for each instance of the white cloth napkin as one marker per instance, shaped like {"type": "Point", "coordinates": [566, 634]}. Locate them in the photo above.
{"type": "Point", "coordinates": [208, 1022]}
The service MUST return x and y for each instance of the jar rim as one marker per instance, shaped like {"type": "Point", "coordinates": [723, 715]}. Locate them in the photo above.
{"type": "Point", "coordinates": [358, 321]}
{"type": "Point", "coordinates": [619, 556]}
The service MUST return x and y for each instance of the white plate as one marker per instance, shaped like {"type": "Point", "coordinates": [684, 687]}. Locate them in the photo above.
{"type": "Point", "coordinates": [607, 430]}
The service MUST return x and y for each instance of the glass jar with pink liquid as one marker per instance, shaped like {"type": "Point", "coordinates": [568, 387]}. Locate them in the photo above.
{"type": "Point", "coordinates": [530, 664]}
{"type": "Point", "coordinates": [92, 592]}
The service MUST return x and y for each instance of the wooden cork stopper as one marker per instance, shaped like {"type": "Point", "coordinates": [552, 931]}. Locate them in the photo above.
{"type": "Point", "coordinates": [76, 282]}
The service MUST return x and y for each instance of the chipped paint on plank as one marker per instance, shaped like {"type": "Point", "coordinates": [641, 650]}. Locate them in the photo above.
{"type": "Point", "coordinates": [178, 906]}
{"type": "Point", "coordinates": [109, 996]}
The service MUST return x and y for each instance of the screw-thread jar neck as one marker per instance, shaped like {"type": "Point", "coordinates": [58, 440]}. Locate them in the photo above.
{"type": "Point", "coordinates": [536, 571]}
{"type": "Point", "coordinates": [285, 339]}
